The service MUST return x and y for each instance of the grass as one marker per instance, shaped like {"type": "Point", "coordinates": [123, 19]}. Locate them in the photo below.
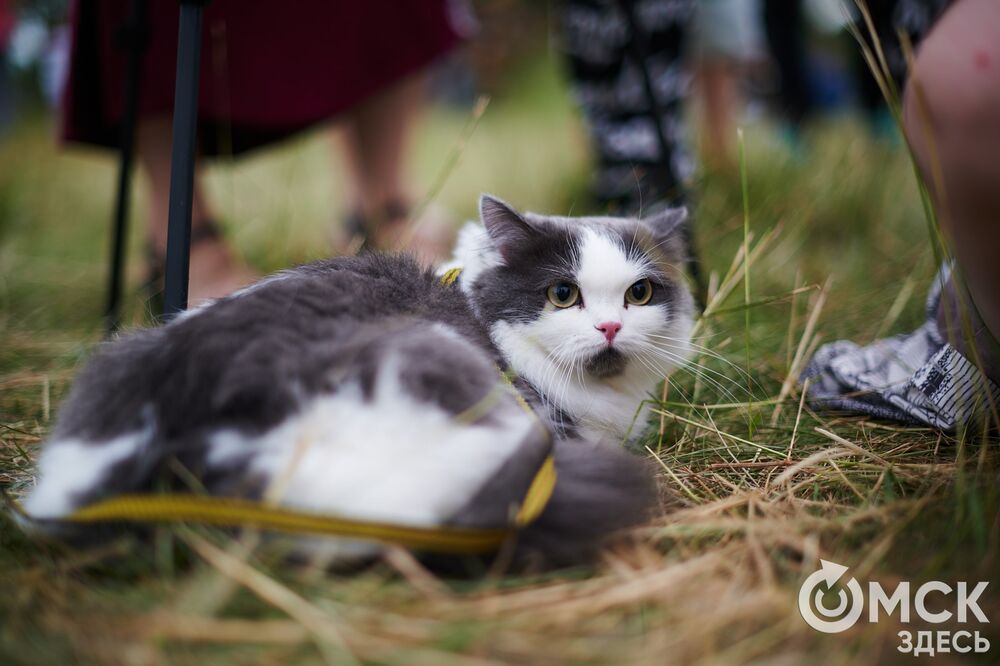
{"type": "Point", "coordinates": [756, 486]}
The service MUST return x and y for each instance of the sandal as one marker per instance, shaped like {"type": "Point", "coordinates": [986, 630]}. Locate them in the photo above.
{"type": "Point", "coordinates": [361, 229]}
{"type": "Point", "coordinates": [429, 239]}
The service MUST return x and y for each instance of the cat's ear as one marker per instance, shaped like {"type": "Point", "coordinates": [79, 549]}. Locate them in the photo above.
{"type": "Point", "coordinates": [507, 228]}
{"type": "Point", "coordinates": [667, 227]}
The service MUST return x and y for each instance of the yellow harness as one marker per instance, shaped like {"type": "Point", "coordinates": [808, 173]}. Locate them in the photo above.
{"type": "Point", "coordinates": [234, 512]}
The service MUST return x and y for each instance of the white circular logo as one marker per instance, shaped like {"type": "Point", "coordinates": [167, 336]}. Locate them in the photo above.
{"type": "Point", "coordinates": [811, 600]}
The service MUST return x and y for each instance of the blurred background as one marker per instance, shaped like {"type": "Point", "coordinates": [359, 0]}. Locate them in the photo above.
{"type": "Point", "coordinates": [823, 159]}
{"type": "Point", "coordinates": [546, 104]}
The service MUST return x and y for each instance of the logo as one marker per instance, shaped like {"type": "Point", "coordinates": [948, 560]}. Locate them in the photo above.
{"type": "Point", "coordinates": [831, 602]}
{"type": "Point", "coordinates": [814, 596]}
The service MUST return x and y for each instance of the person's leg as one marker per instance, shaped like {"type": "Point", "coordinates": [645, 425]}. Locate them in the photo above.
{"type": "Point", "coordinates": [785, 30]}
{"type": "Point", "coordinates": [952, 122]}
{"type": "Point", "coordinates": [375, 137]}
{"type": "Point", "coordinates": [870, 97]}
{"type": "Point", "coordinates": [725, 40]}
{"type": "Point", "coordinates": [940, 374]}
{"type": "Point", "coordinates": [636, 166]}
{"type": "Point", "coordinates": [214, 270]}
{"type": "Point", "coordinates": [153, 149]}
{"type": "Point", "coordinates": [718, 85]}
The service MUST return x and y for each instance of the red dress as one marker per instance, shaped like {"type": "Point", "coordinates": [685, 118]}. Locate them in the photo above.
{"type": "Point", "coordinates": [268, 68]}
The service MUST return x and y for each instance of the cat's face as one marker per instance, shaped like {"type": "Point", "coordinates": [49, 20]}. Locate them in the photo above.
{"type": "Point", "coordinates": [580, 299]}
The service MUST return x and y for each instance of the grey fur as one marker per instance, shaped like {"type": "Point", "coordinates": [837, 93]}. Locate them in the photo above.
{"type": "Point", "coordinates": [535, 253]}
{"type": "Point", "coordinates": [602, 489]}
{"type": "Point", "coordinates": [250, 361]}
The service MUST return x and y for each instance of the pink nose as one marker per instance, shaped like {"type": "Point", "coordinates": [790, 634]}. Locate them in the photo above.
{"type": "Point", "coordinates": [609, 329]}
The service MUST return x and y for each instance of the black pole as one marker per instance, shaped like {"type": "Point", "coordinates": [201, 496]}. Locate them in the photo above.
{"type": "Point", "coordinates": [182, 159]}
{"type": "Point", "coordinates": [133, 38]}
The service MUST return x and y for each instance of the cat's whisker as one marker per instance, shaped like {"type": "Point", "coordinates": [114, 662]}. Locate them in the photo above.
{"type": "Point", "coordinates": [691, 345]}
{"type": "Point", "coordinates": [702, 372]}
{"type": "Point", "coordinates": [560, 387]}
{"type": "Point", "coordinates": [651, 365]}
{"type": "Point", "coordinates": [707, 374]}
{"type": "Point", "coordinates": [677, 389]}
{"type": "Point", "coordinates": [557, 394]}
{"type": "Point", "coordinates": [555, 382]}
{"type": "Point", "coordinates": [715, 377]}
{"type": "Point", "coordinates": [702, 351]}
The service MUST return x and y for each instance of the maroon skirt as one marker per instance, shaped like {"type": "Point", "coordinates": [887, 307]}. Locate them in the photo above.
{"type": "Point", "coordinates": [268, 68]}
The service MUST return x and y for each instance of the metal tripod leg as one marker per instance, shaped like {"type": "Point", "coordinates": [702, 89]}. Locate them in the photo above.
{"type": "Point", "coordinates": [134, 39]}
{"type": "Point", "coordinates": [182, 158]}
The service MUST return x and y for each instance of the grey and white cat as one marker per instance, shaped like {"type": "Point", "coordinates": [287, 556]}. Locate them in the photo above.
{"type": "Point", "coordinates": [364, 387]}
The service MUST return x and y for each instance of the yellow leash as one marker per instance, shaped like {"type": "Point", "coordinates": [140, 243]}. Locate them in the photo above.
{"type": "Point", "coordinates": [235, 512]}
{"type": "Point", "coordinates": [450, 276]}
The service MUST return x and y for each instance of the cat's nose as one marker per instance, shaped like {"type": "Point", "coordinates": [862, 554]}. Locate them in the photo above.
{"type": "Point", "coordinates": [609, 329]}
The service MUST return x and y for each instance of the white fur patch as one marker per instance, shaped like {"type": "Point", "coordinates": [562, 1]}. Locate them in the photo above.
{"type": "Point", "coordinates": [604, 274]}
{"type": "Point", "coordinates": [191, 312]}
{"type": "Point", "coordinates": [391, 459]}
{"type": "Point", "coordinates": [70, 467]}
{"type": "Point", "coordinates": [474, 253]}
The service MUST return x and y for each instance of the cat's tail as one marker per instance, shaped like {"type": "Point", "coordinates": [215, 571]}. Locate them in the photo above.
{"type": "Point", "coordinates": [600, 491]}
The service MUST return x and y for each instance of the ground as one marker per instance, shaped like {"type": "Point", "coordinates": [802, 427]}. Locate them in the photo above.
{"type": "Point", "coordinates": [756, 486]}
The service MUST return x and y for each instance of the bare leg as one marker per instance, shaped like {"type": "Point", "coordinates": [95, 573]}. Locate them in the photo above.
{"type": "Point", "coordinates": [375, 137]}
{"type": "Point", "coordinates": [950, 110]}
{"type": "Point", "coordinates": [214, 271]}
{"type": "Point", "coordinates": [716, 79]}
{"type": "Point", "coordinates": [154, 153]}
{"type": "Point", "coordinates": [952, 107]}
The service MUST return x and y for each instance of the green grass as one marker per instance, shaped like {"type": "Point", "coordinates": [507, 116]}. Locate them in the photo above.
{"type": "Point", "coordinates": [713, 579]}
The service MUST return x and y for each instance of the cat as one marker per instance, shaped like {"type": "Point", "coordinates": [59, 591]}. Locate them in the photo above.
{"type": "Point", "coordinates": [365, 387]}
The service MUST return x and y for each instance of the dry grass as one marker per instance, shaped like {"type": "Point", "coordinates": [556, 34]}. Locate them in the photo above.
{"type": "Point", "coordinates": [756, 486]}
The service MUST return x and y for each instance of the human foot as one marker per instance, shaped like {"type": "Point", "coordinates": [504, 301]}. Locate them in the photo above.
{"type": "Point", "coordinates": [214, 269]}
{"type": "Point", "coordinates": [429, 238]}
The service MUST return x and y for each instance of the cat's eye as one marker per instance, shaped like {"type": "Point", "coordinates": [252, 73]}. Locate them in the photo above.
{"type": "Point", "coordinates": [639, 293]}
{"type": "Point", "coordinates": [563, 294]}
